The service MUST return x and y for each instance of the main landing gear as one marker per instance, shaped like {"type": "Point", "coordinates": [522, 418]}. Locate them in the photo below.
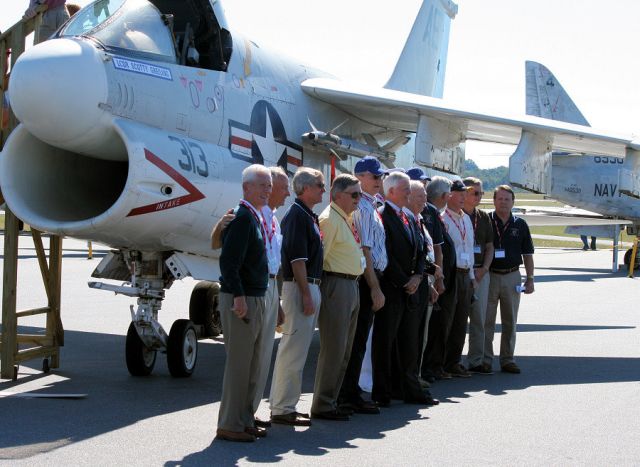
{"type": "Point", "coordinates": [147, 278]}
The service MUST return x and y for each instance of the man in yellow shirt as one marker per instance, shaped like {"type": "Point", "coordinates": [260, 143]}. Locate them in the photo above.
{"type": "Point", "coordinates": [343, 264]}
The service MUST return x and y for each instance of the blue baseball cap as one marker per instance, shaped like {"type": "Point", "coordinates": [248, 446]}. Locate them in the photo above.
{"type": "Point", "coordinates": [416, 173]}
{"type": "Point", "coordinates": [368, 164]}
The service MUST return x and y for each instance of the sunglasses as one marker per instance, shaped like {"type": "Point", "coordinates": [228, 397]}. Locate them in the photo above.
{"type": "Point", "coordinates": [354, 195]}
{"type": "Point", "coordinates": [320, 185]}
{"type": "Point", "coordinates": [478, 193]}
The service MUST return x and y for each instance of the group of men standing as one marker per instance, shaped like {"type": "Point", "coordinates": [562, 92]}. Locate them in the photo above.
{"type": "Point", "coordinates": [378, 250]}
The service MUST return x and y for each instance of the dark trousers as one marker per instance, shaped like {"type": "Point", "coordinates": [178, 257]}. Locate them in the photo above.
{"type": "Point", "coordinates": [398, 322]}
{"type": "Point", "coordinates": [458, 330]}
{"type": "Point", "coordinates": [439, 328]}
{"type": "Point", "coordinates": [350, 391]}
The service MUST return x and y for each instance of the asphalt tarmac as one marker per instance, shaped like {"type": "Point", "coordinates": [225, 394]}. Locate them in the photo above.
{"type": "Point", "coordinates": [577, 401]}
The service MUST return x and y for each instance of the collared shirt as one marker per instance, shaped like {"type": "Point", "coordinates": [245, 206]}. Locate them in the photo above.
{"type": "Point", "coordinates": [368, 221]}
{"type": "Point", "coordinates": [425, 233]}
{"type": "Point", "coordinates": [340, 242]}
{"type": "Point", "coordinates": [513, 238]}
{"type": "Point", "coordinates": [460, 230]}
{"type": "Point", "coordinates": [301, 240]}
{"type": "Point", "coordinates": [431, 216]}
{"type": "Point", "coordinates": [482, 233]}
{"type": "Point", "coordinates": [274, 239]}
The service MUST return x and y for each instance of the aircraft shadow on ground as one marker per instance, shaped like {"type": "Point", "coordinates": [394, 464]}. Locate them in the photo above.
{"type": "Point", "coordinates": [94, 363]}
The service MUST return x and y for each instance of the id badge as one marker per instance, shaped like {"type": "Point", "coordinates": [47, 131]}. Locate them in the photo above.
{"type": "Point", "coordinates": [476, 249]}
{"type": "Point", "coordinates": [363, 262]}
{"type": "Point", "coordinates": [499, 254]}
{"type": "Point", "coordinates": [464, 256]}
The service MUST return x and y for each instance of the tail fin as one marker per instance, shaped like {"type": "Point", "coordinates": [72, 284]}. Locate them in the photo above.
{"type": "Point", "coordinates": [423, 61]}
{"type": "Point", "coordinates": [547, 98]}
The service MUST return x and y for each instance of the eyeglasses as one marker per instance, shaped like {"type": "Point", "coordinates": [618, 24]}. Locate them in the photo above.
{"type": "Point", "coordinates": [320, 185]}
{"type": "Point", "coordinates": [478, 193]}
{"type": "Point", "coordinates": [376, 177]}
{"type": "Point", "coordinates": [354, 194]}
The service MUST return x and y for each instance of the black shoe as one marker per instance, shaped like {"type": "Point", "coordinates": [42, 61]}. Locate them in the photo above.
{"type": "Point", "coordinates": [480, 369]}
{"type": "Point", "coordinates": [362, 407]}
{"type": "Point", "coordinates": [331, 415]}
{"type": "Point", "coordinates": [511, 368]}
{"type": "Point", "coordinates": [262, 423]}
{"type": "Point", "coordinates": [424, 399]}
{"type": "Point", "coordinates": [345, 410]}
{"type": "Point", "coordinates": [383, 402]}
{"type": "Point", "coordinates": [458, 371]}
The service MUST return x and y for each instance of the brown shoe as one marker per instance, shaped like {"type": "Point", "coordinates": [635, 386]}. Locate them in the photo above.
{"type": "Point", "coordinates": [255, 431]}
{"type": "Point", "coordinates": [237, 436]}
{"type": "Point", "coordinates": [293, 418]}
{"type": "Point", "coordinates": [511, 368]}
{"type": "Point", "coordinates": [458, 371]}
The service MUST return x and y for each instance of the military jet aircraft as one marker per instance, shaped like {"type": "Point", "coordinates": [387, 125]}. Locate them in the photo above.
{"type": "Point", "coordinates": [588, 182]}
{"type": "Point", "coordinates": [138, 117]}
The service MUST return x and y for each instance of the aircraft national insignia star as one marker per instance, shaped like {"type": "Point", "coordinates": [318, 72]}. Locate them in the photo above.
{"type": "Point", "coordinates": [264, 140]}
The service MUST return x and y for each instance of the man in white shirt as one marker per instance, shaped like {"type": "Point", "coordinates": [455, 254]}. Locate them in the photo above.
{"type": "Point", "coordinates": [460, 229]}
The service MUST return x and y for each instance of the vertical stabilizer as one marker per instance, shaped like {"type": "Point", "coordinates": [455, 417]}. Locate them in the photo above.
{"type": "Point", "coordinates": [423, 61]}
{"type": "Point", "coordinates": [547, 98]}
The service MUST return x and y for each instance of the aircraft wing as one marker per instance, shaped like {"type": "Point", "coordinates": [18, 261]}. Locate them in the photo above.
{"type": "Point", "coordinates": [565, 216]}
{"type": "Point", "coordinates": [452, 125]}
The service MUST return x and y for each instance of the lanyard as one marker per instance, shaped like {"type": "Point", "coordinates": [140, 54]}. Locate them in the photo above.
{"type": "Point", "coordinates": [463, 230]}
{"type": "Point", "coordinates": [476, 215]}
{"type": "Point", "coordinates": [316, 224]}
{"type": "Point", "coordinates": [259, 219]}
{"type": "Point", "coordinates": [270, 232]}
{"type": "Point", "coordinates": [352, 227]}
{"type": "Point", "coordinates": [500, 232]}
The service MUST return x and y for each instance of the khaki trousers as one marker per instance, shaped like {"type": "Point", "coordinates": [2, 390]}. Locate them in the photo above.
{"type": "Point", "coordinates": [242, 342]}
{"type": "Point", "coordinates": [337, 325]}
{"type": "Point", "coordinates": [272, 299]}
{"type": "Point", "coordinates": [477, 318]}
{"type": "Point", "coordinates": [502, 288]}
{"type": "Point", "coordinates": [52, 19]}
{"type": "Point", "coordinates": [298, 329]}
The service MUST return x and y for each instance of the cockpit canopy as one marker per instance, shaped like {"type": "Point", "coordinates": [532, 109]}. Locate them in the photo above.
{"type": "Point", "coordinates": [188, 32]}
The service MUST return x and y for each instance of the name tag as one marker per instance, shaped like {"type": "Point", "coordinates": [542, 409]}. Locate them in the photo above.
{"type": "Point", "coordinates": [464, 256]}
{"type": "Point", "coordinates": [499, 254]}
{"type": "Point", "coordinates": [476, 249]}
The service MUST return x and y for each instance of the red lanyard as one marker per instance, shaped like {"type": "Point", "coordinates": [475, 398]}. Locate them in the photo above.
{"type": "Point", "coordinates": [504, 228]}
{"type": "Point", "coordinates": [262, 223]}
{"type": "Point", "coordinates": [272, 232]}
{"type": "Point", "coordinates": [352, 227]}
{"type": "Point", "coordinates": [463, 231]}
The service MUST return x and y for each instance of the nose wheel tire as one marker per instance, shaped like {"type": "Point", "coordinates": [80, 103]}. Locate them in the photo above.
{"type": "Point", "coordinates": [203, 308]}
{"type": "Point", "coordinates": [182, 349]}
{"type": "Point", "coordinates": [627, 260]}
{"type": "Point", "coordinates": [140, 359]}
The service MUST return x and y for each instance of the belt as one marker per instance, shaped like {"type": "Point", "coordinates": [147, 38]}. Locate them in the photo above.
{"type": "Point", "coordinates": [350, 277]}
{"type": "Point", "coordinates": [462, 269]}
{"type": "Point", "coordinates": [272, 276]}
{"type": "Point", "coordinates": [310, 280]}
{"type": "Point", "coordinates": [504, 271]}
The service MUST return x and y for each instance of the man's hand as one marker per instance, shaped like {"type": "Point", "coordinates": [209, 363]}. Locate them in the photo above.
{"type": "Point", "coordinates": [307, 305]}
{"type": "Point", "coordinates": [377, 298]}
{"type": "Point", "coordinates": [438, 275]}
{"type": "Point", "coordinates": [433, 295]}
{"type": "Point", "coordinates": [479, 273]}
{"type": "Point", "coordinates": [412, 286]}
{"type": "Point", "coordinates": [440, 286]}
{"type": "Point", "coordinates": [240, 307]}
{"type": "Point", "coordinates": [528, 286]}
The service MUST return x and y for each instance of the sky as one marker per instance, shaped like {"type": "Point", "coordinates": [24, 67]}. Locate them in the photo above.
{"type": "Point", "coordinates": [591, 46]}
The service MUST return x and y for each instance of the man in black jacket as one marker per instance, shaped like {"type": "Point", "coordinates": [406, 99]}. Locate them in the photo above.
{"type": "Point", "coordinates": [399, 320]}
{"type": "Point", "coordinates": [245, 274]}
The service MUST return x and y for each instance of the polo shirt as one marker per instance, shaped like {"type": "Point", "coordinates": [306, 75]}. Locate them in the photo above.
{"type": "Point", "coordinates": [340, 242]}
{"type": "Point", "coordinates": [514, 238]}
{"type": "Point", "coordinates": [482, 233]}
{"type": "Point", "coordinates": [301, 240]}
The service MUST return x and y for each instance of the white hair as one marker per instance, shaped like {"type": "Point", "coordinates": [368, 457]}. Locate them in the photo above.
{"type": "Point", "coordinates": [393, 179]}
{"type": "Point", "coordinates": [251, 173]}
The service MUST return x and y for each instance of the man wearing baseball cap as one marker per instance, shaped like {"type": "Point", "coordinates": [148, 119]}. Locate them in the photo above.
{"type": "Point", "coordinates": [372, 237]}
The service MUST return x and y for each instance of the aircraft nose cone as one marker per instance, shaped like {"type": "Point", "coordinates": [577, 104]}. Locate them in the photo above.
{"type": "Point", "coordinates": [55, 88]}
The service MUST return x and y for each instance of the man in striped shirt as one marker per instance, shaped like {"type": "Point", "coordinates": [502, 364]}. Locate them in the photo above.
{"type": "Point", "coordinates": [369, 225]}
